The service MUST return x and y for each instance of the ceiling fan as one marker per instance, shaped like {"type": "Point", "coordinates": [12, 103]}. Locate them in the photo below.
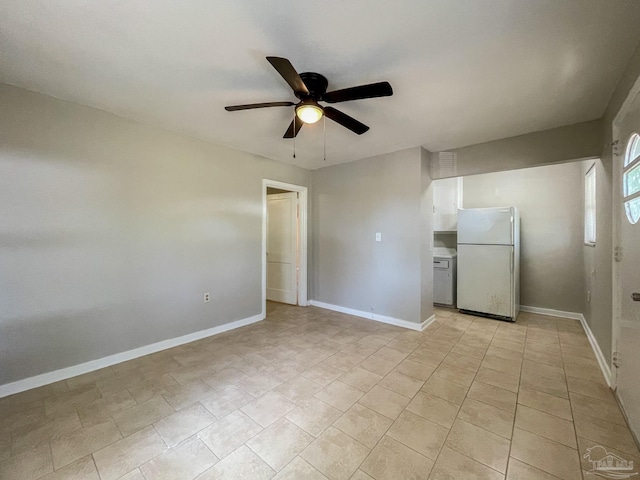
{"type": "Point", "coordinates": [311, 88]}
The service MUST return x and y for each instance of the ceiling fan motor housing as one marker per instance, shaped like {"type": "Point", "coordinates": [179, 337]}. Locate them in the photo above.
{"type": "Point", "coordinates": [316, 84]}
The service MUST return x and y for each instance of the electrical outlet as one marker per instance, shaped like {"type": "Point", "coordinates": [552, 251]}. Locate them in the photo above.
{"type": "Point", "coordinates": [207, 297]}
{"type": "Point", "coordinates": [378, 237]}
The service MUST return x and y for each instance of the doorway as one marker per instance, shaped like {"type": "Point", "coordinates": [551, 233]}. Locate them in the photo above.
{"type": "Point", "coordinates": [626, 281]}
{"type": "Point", "coordinates": [284, 239]}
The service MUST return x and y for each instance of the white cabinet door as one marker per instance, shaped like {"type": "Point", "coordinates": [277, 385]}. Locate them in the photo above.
{"type": "Point", "coordinates": [446, 201]}
{"type": "Point", "coordinates": [282, 248]}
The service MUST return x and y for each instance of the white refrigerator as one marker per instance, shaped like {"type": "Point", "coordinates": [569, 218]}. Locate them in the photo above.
{"type": "Point", "coordinates": [489, 261]}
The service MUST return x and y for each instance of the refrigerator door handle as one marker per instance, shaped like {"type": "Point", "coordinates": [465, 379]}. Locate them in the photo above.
{"type": "Point", "coordinates": [512, 262]}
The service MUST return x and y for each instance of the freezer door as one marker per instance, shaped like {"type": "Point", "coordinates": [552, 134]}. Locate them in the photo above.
{"type": "Point", "coordinates": [486, 226]}
{"type": "Point", "coordinates": [485, 279]}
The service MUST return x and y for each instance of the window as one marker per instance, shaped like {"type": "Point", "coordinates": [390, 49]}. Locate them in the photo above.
{"type": "Point", "coordinates": [631, 179]}
{"type": "Point", "coordinates": [590, 206]}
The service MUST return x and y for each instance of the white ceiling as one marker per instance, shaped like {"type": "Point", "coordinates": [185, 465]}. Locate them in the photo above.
{"type": "Point", "coordinates": [463, 71]}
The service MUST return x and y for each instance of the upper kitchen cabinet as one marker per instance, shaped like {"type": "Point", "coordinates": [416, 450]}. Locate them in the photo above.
{"type": "Point", "coordinates": [447, 198]}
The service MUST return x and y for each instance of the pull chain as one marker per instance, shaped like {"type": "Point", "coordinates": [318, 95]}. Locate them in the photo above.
{"type": "Point", "coordinates": [324, 126]}
{"type": "Point", "coordinates": [294, 134]}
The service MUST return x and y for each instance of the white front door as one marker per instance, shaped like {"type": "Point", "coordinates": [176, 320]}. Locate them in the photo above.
{"type": "Point", "coordinates": [282, 247]}
{"type": "Point", "coordinates": [627, 206]}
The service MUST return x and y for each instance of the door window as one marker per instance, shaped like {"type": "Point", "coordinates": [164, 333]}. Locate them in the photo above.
{"type": "Point", "coordinates": [631, 179]}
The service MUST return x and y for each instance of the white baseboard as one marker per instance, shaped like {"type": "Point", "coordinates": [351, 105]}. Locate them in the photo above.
{"type": "Point", "coordinates": [551, 312]}
{"type": "Point", "coordinates": [602, 361]}
{"type": "Point", "coordinates": [75, 370]}
{"type": "Point", "coordinates": [376, 317]}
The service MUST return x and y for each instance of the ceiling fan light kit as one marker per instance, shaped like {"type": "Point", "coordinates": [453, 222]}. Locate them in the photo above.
{"type": "Point", "coordinates": [311, 88]}
{"type": "Point", "coordinates": [309, 111]}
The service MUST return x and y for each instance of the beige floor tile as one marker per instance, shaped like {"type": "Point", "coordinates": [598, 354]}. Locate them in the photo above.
{"type": "Point", "coordinates": [508, 345]}
{"type": "Point", "coordinates": [181, 396]}
{"type": "Point", "coordinates": [488, 417]}
{"type": "Point", "coordinates": [607, 410]}
{"type": "Point", "coordinates": [101, 409]}
{"type": "Point", "coordinates": [452, 392]}
{"type": "Point", "coordinates": [228, 433]}
{"type": "Point", "coordinates": [434, 408]}
{"type": "Point", "coordinates": [279, 443]}
{"type": "Point", "coordinates": [339, 395]}
{"type": "Point", "coordinates": [589, 388]}
{"type": "Point", "coordinates": [322, 375]}
{"type": "Point", "coordinates": [298, 388]}
{"type": "Point", "coordinates": [546, 425]}
{"type": "Point", "coordinates": [117, 383]}
{"type": "Point", "coordinates": [360, 475]}
{"type": "Point", "coordinates": [391, 460]}
{"type": "Point", "coordinates": [604, 433]}
{"type": "Point", "coordinates": [384, 401]}
{"type": "Point", "coordinates": [546, 358]}
{"type": "Point", "coordinates": [335, 454]}
{"type": "Point", "coordinates": [586, 372]}
{"type": "Point", "coordinates": [152, 388]}
{"type": "Point", "coordinates": [83, 469]}
{"type": "Point", "coordinates": [259, 384]}
{"type": "Point", "coordinates": [402, 384]}
{"type": "Point", "coordinates": [415, 369]}
{"type": "Point", "coordinates": [377, 365]}
{"type": "Point", "coordinates": [299, 469]}
{"type": "Point", "coordinates": [28, 438]}
{"type": "Point", "coordinates": [125, 455]}
{"type": "Point", "coordinates": [552, 386]}
{"type": "Point", "coordinates": [363, 424]}
{"type": "Point", "coordinates": [313, 415]}
{"type": "Point", "coordinates": [392, 354]}
{"type": "Point", "coordinates": [545, 402]}
{"type": "Point", "coordinates": [73, 446]}
{"type": "Point", "coordinates": [462, 361]}
{"type": "Point", "coordinates": [268, 408]}
{"type": "Point", "coordinates": [454, 374]}
{"type": "Point", "coordinates": [418, 433]}
{"type": "Point", "coordinates": [498, 379]}
{"type": "Point", "coordinates": [551, 371]}
{"type": "Point", "coordinates": [29, 465]}
{"type": "Point", "coordinates": [479, 444]}
{"type": "Point", "coordinates": [452, 465]}
{"type": "Point", "coordinates": [181, 425]}
{"type": "Point", "coordinates": [469, 351]}
{"type": "Point", "coordinates": [242, 464]}
{"type": "Point", "coordinates": [360, 378]}
{"type": "Point", "coordinates": [518, 470]}
{"type": "Point", "coordinates": [495, 396]}
{"type": "Point", "coordinates": [186, 460]}
{"type": "Point", "coordinates": [143, 415]}
{"type": "Point", "coordinates": [225, 400]}
{"type": "Point", "coordinates": [546, 455]}
{"type": "Point", "coordinates": [499, 365]}
{"type": "Point", "coordinates": [66, 402]}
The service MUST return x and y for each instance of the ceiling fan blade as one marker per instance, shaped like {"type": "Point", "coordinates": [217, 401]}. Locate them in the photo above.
{"type": "Point", "coordinates": [372, 90]}
{"type": "Point", "coordinates": [249, 106]}
{"type": "Point", "coordinates": [286, 70]}
{"type": "Point", "coordinates": [345, 120]}
{"type": "Point", "coordinates": [298, 125]}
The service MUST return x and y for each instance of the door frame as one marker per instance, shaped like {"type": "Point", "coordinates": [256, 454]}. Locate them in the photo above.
{"type": "Point", "coordinates": [619, 146]}
{"type": "Point", "coordinates": [302, 235]}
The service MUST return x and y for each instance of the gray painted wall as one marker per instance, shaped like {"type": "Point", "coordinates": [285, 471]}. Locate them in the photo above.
{"type": "Point", "coordinates": [573, 142]}
{"type": "Point", "coordinates": [352, 202]}
{"type": "Point", "coordinates": [111, 231]}
{"type": "Point", "coordinates": [426, 237]}
{"type": "Point", "coordinates": [550, 200]}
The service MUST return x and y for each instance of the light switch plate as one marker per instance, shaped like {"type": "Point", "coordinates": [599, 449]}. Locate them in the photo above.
{"type": "Point", "coordinates": [378, 237]}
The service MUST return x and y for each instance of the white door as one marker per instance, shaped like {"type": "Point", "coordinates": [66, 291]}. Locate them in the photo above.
{"type": "Point", "coordinates": [627, 205]}
{"type": "Point", "coordinates": [282, 247]}
{"type": "Point", "coordinates": [485, 279]}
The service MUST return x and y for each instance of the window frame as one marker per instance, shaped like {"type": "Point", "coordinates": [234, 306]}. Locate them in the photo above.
{"type": "Point", "coordinates": [590, 207]}
{"type": "Point", "coordinates": [628, 165]}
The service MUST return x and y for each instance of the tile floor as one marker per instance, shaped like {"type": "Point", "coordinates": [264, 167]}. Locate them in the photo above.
{"type": "Point", "coordinates": [314, 394]}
